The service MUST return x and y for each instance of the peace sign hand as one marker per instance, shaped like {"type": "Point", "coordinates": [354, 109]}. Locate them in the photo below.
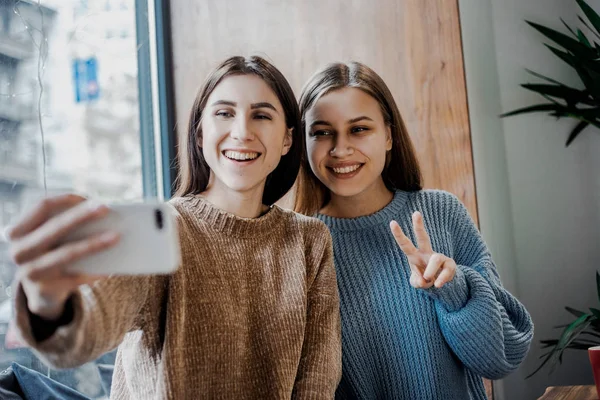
{"type": "Point", "coordinates": [425, 265]}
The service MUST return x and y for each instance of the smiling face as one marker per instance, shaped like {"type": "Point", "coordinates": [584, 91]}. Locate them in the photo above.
{"type": "Point", "coordinates": [347, 141]}
{"type": "Point", "coordinates": [244, 134]}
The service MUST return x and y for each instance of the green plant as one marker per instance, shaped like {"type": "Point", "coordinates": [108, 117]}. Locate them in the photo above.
{"type": "Point", "coordinates": [583, 55]}
{"type": "Point", "coordinates": [581, 334]}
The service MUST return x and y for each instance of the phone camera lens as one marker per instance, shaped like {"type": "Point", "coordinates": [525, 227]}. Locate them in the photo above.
{"type": "Point", "coordinates": [158, 218]}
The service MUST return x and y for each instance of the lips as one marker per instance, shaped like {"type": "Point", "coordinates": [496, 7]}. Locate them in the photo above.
{"type": "Point", "coordinates": [345, 170]}
{"type": "Point", "coordinates": [242, 156]}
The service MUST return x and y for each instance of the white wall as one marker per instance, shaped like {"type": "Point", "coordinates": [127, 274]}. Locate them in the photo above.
{"type": "Point", "coordinates": [539, 202]}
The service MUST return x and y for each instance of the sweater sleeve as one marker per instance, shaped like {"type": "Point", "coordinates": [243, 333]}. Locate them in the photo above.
{"type": "Point", "coordinates": [101, 316]}
{"type": "Point", "coordinates": [320, 368]}
{"type": "Point", "coordinates": [488, 329]}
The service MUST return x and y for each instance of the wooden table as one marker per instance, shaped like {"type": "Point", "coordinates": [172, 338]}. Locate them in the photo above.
{"type": "Point", "coordinates": [570, 393]}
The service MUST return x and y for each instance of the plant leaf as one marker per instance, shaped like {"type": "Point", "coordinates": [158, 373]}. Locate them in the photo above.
{"type": "Point", "coordinates": [570, 95]}
{"type": "Point", "coordinates": [561, 108]}
{"type": "Point", "coordinates": [543, 77]}
{"type": "Point", "coordinates": [568, 27]}
{"type": "Point", "coordinates": [584, 114]}
{"type": "Point", "coordinates": [573, 328]}
{"type": "Point", "coordinates": [583, 39]}
{"type": "Point", "coordinates": [591, 15]}
{"type": "Point", "coordinates": [569, 335]}
{"type": "Point", "coordinates": [576, 344]}
{"type": "Point", "coordinates": [594, 334]}
{"type": "Point", "coordinates": [575, 312]}
{"type": "Point", "coordinates": [592, 70]}
{"type": "Point", "coordinates": [588, 26]}
{"type": "Point", "coordinates": [548, 356]}
{"type": "Point", "coordinates": [567, 42]}
{"type": "Point", "coordinates": [576, 113]}
{"type": "Point", "coordinates": [530, 109]}
{"type": "Point", "coordinates": [595, 312]}
{"type": "Point", "coordinates": [580, 346]}
{"type": "Point", "coordinates": [572, 337]}
{"type": "Point", "coordinates": [549, 342]}
{"type": "Point", "coordinates": [576, 131]}
{"type": "Point", "coordinates": [595, 322]}
{"type": "Point", "coordinates": [566, 57]}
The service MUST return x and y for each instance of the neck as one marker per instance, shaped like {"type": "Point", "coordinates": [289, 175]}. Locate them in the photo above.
{"type": "Point", "coordinates": [247, 204]}
{"type": "Point", "coordinates": [367, 202]}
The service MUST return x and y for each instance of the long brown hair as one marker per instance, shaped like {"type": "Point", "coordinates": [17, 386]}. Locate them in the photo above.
{"type": "Point", "coordinates": [401, 170]}
{"type": "Point", "coordinates": [194, 172]}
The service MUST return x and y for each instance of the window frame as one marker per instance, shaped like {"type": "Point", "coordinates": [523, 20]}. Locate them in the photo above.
{"type": "Point", "coordinates": [155, 103]}
{"type": "Point", "coordinates": [158, 135]}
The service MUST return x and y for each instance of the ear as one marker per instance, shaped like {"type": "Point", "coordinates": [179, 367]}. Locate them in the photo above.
{"type": "Point", "coordinates": [287, 142]}
{"type": "Point", "coordinates": [389, 140]}
{"type": "Point", "coordinates": [199, 135]}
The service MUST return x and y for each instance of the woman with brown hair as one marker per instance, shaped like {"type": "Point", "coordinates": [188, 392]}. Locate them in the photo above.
{"type": "Point", "coordinates": [424, 316]}
{"type": "Point", "coordinates": [253, 310]}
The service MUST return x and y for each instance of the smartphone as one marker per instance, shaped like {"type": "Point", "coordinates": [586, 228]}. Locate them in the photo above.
{"type": "Point", "coordinates": [149, 242]}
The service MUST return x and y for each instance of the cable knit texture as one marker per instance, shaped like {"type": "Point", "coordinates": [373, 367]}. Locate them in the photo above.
{"type": "Point", "coordinates": [405, 343]}
{"type": "Point", "coordinates": [252, 313]}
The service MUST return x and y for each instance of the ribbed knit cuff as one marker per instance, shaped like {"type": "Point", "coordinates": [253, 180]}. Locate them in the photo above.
{"type": "Point", "coordinates": [42, 329]}
{"type": "Point", "coordinates": [62, 337]}
{"type": "Point", "coordinates": [454, 294]}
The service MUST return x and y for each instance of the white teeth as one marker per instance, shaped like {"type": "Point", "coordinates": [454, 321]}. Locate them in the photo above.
{"type": "Point", "coordinates": [346, 170]}
{"type": "Point", "coordinates": [236, 155]}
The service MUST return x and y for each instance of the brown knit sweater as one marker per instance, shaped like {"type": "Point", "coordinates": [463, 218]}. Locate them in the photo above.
{"type": "Point", "coordinates": [252, 313]}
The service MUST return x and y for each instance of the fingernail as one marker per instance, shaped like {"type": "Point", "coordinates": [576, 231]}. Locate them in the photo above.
{"type": "Point", "coordinates": [101, 208]}
{"type": "Point", "coordinates": [95, 205]}
{"type": "Point", "coordinates": [109, 237]}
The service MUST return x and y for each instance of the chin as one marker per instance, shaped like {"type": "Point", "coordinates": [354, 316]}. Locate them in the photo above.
{"type": "Point", "coordinates": [346, 189]}
{"type": "Point", "coordinates": [240, 185]}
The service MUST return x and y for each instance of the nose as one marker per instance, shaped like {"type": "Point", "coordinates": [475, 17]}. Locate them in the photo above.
{"type": "Point", "coordinates": [341, 147]}
{"type": "Point", "coordinates": [241, 130]}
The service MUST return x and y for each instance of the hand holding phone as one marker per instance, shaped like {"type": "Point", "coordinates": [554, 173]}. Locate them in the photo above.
{"type": "Point", "coordinates": [149, 242]}
{"type": "Point", "coordinates": [67, 241]}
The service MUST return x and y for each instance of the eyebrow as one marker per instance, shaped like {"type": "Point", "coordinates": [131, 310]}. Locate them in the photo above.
{"type": "Point", "coordinates": [264, 104]}
{"type": "Point", "coordinates": [350, 121]}
{"type": "Point", "coordinates": [319, 122]}
{"type": "Point", "coordinates": [253, 106]}
{"type": "Point", "coordinates": [361, 118]}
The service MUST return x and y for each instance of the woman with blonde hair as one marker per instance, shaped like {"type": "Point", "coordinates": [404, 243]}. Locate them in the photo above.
{"type": "Point", "coordinates": [424, 314]}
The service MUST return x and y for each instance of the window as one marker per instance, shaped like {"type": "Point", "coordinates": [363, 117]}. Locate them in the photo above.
{"type": "Point", "coordinates": [4, 17]}
{"type": "Point", "coordinates": [95, 118]}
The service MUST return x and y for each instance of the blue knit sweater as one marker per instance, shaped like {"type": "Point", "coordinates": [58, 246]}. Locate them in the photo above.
{"type": "Point", "coordinates": [405, 343]}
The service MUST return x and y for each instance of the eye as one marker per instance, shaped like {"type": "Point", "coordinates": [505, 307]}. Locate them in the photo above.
{"type": "Point", "coordinates": [359, 129]}
{"type": "Point", "coordinates": [263, 116]}
{"type": "Point", "coordinates": [320, 132]}
{"type": "Point", "coordinates": [224, 114]}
